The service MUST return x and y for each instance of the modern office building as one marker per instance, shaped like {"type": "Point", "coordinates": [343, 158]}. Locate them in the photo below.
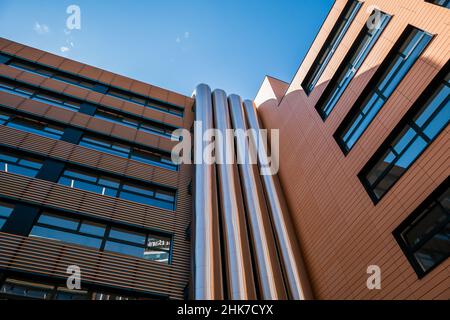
{"type": "Point", "coordinates": [86, 177]}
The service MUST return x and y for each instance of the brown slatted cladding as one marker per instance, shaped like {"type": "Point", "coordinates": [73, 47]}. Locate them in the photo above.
{"type": "Point", "coordinates": [51, 258]}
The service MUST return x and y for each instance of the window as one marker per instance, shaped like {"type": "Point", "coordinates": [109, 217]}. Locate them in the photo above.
{"type": "Point", "coordinates": [31, 125]}
{"type": "Point", "coordinates": [331, 44]}
{"type": "Point", "coordinates": [41, 95]}
{"type": "Point", "coordinates": [102, 236]}
{"type": "Point", "coordinates": [14, 288]}
{"type": "Point", "coordinates": [420, 126]}
{"type": "Point", "coordinates": [73, 79]}
{"type": "Point", "coordinates": [387, 78]}
{"type": "Point", "coordinates": [104, 145]}
{"type": "Point", "coordinates": [425, 235]}
{"type": "Point", "coordinates": [5, 211]}
{"type": "Point", "coordinates": [150, 127]}
{"type": "Point", "coordinates": [350, 66]}
{"type": "Point", "coordinates": [122, 150]}
{"type": "Point", "coordinates": [19, 164]}
{"type": "Point", "coordinates": [73, 104]}
{"type": "Point", "coordinates": [442, 3]}
{"type": "Point", "coordinates": [105, 185]}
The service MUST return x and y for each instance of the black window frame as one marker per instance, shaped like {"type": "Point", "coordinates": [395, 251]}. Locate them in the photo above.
{"type": "Point", "coordinates": [446, 3]}
{"type": "Point", "coordinates": [310, 77]}
{"type": "Point", "coordinates": [398, 129]}
{"type": "Point", "coordinates": [56, 281]}
{"type": "Point", "coordinates": [105, 238]}
{"type": "Point", "coordinates": [90, 84]}
{"type": "Point", "coordinates": [68, 165]}
{"type": "Point", "coordinates": [332, 85]}
{"type": "Point", "coordinates": [165, 130]}
{"type": "Point", "coordinates": [369, 88]}
{"type": "Point", "coordinates": [122, 182]}
{"type": "Point", "coordinates": [419, 214]}
{"type": "Point", "coordinates": [159, 153]}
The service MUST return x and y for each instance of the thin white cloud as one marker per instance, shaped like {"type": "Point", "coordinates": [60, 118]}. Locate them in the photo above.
{"type": "Point", "coordinates": [41, 28]}
{"type": "Point", "coordinates": [64, 49]}
{"type": "Point", "coordinates": [187, 35]}
{"type": "Point", "coordinates": [178, 40]}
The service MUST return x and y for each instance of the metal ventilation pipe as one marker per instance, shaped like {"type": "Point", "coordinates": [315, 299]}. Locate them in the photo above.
{"type": "Point", "coordinates": [239, 271]}
{"type": "Point", "coordinates": [207, 268]}
{"type": "Point", "coordinates": [269, 273]}
{"type": "Point", "coordinates": [293, 265]}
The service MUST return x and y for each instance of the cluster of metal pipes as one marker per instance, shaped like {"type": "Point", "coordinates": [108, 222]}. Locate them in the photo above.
{"type": "Point", "coordinates": [244, 243]}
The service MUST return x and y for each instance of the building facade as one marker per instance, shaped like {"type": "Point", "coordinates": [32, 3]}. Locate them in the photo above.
{"type": "Point", "coordinates": [365, 150]}
{"type": "Point", "coordinates": [85, 159]}
{"type": "Point", "coordinates": [87, 182]}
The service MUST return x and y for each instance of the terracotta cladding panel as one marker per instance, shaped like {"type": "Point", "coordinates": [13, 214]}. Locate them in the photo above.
{"type": "Point", "coordinates": [51, 258]}
{"type": "Point", "coordinates": [86, 157]}
{"type": "Point", "coordinates": [339, 227]}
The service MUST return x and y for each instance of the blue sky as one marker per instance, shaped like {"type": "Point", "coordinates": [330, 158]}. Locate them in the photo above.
{"type": "Point", "coordinates": [175, 44]}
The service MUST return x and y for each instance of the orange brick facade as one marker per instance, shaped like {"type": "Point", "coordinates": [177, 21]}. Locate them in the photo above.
{"type": "Point", "coordinates": [340, 229]}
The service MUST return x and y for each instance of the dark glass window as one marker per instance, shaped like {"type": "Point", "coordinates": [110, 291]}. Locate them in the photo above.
{"type": "Point", "coordinates": [14, 288]}
{"type": "Point", "coordinates": [73, 79]}
{"type": "Point", "coordinates": [442, 3]}
{"type": "Point", "coordinates": [420, 126]}
{"type": "Point", "coordinates": [19, 164]}
{"type": "Point", "coordinates": [425, 235]}
{"type": "Point", "coordinates": [388, 77]}
{"type": "Point", "coordinates": [122, 150]}
{"type": "Point", "coordinates": [37, 94]}
{"type": "Point", "coordinates": [108, 186]}
{"type": "Point", "coordinates": [104, 145]}
{"type": "Point", "coordinates": [30, 125]}
{"type": "Point", "coordinates": [351, 64]}
{"type": "Point", "coordinates": [331, 44]}
{"type": "Point", "coordinates": [152, 128]}
{"type": "Point", "coordinates": [5, 211]}
{"type": "Point", "coordinates": [102, 236]}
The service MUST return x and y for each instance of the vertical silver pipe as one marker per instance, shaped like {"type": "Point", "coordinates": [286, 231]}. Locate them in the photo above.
{"type": "Point", "coordinates": [294, 268]}
{"type": "Point", "coordinates": [207, 270]}
{"type": "Point", "coordinates": [269, 274]}
{"type": "Point", "coordinates": [239, 271]}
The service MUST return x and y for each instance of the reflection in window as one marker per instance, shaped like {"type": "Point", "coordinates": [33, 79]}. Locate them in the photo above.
{"type": "Point", "coordinates": [357, 53]}
{"type": "Point", "coordinates": [400, 151]}
{"type": "Point", "coordinates": [108, 186]}
{"type": "Point", "coordinates": [81, 82]}
{"type": "Point", "coordinates": [5, 212]}
{"type": "Point", "coordinates": [102, 236]}
{"type": "Point", "coordinates": [425, 235]}
{"type": "Point", "coordinates": [153, 128]}
{"type": "Point", "coordinates": [331, 44]}
{"type": "Point", "coordinates": [30, 125]}
{"type": "Point", "coordinates": [33, 290]}
{"type": "Point", "coordinates": [398, 66]}
{"type": "Point", "coordinates": [41, 95]}
{"type": "Point", "coordinates": [22, 165]}
{"type": "Point", "coordinates": [159, 158]}
{"type": "Point", "coordinates": [442, 3]}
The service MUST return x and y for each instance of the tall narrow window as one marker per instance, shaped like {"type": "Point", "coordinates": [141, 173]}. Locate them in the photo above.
{"type": "Point", "coordinates": [420, 126]}
{"type": "Point", "coordinates": [331, 43]}
{"type": "Point", "coordinates": [351, 64]}
{"type": "Point", "coordinates": [405, 53]}
{"type": "Point", "coordinates": [425, 235]}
